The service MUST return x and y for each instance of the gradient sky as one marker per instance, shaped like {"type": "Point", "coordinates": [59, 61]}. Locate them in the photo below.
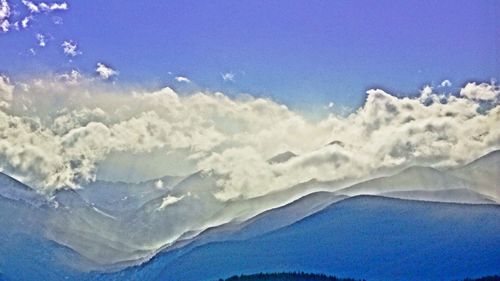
{"type": "Point", "coordinates": [297, 52]}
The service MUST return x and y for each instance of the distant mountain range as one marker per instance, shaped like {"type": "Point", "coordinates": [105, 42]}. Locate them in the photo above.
{"type": "Point", "coordinates": [418, 223]}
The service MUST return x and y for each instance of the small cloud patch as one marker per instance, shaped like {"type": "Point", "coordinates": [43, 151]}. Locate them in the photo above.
{"type": "Point", "coordinates": [105, 72]}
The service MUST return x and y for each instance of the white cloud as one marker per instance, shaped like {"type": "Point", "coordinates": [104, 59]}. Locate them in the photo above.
{"type": "Point", "coordinates": [169, 200]}
{"type": "Point", "coordinates": [105, 72]}
{"type": "Point", "coordinates": [4, 15]}
{"type": "Point", "coordinates": [6, 12]}
{"type": "Point", "coordinates": [228, 76]}
{"type": "Point", "coordinates": [31, 6]}
{"type": "Point", "coordinates": [4, 25]}
{"type": "Point", "coordinates": [45, 7]}
{"type": "Point", "coordinates": [231, 139]}
{"type": "Point", "coordinates": [42, 42]}
{"type": "Point", "coordinates": [446, 83]}
{"type": "Point", "coordinates": [159, 183]}
{"type": "Point", "coordinates": [25, 21]}
{"type": "Point", "coordinates": [6, 88]}
{"type": "Point", "coordinates": [182, 79]}
{"type": "Point", "coordinates": [59, 6]}
{"type": "Point", "coordinates": [70, 48]}
{"type": "Point", "coordinates": [484, 92]}
{"type": "Point", "coordinates": [53, 6]}
{"type": "Point", "coordinates": [71, 77]}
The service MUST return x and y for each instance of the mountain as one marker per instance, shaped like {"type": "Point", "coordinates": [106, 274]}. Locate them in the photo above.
{"type": "Point", "coordinates": [188, 214]}
{"type": "Point", "coordinates": [94, 228]}
{"type": "Point", "coordinates": [362, 237]}
{"type": "Point", "coordinates": [368, 237]}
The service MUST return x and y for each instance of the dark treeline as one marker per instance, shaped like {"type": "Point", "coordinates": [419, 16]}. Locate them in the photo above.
{"type": "Point", "coordinates": [486, 278]}
{"type": "Point", "coordinates": [301, 276]}
{"type": "Point", "coordinates": [287, 276]}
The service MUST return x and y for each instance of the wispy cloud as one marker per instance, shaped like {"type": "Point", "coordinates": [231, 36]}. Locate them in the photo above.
{"type": "Point", "coordinates": [57, 20]}
{"type": "Point", "coordinates": [31, 6]}
{"type": "Point", "coordinates": [25, 21]}
{"type": "Point", "coordinates": [42, 41]}
{"type": "Point", "coordinates": [4, 15]}
{"type": "Point", "coordinates": [53, 7]}
{"type": "Point", "coordinates": [446, 83]}
{"type": "Point", "coordinates": [70, 48]}
{"type": "Point", "coordinates": [229, 76]}
{"type": "Point", "coordinates": [182, 79]}
{"type": "Point", "coordinates": [6, 11]}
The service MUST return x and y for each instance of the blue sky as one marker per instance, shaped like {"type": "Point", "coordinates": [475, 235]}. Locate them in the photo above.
{"type": "Point", "coordinates": [297, 52]}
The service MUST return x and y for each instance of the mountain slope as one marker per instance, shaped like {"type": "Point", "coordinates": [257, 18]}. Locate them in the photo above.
{"type": "Point", "coordinates": [362, 237]}
{"type": "Point", "coordinates": [447, 195]}
{"type": "Point", "coordinates": [484, 172]}
{"type": "Point", "coordinates": [282, 157]}
{"type": "Point", "coordinates": [413, 178]}
{"type": "Point", "coordinates": [15, 190]}
{"type": "Point", "coordinates": [265, 222]}
{"type": "Point", "coordinates": [123, 196]}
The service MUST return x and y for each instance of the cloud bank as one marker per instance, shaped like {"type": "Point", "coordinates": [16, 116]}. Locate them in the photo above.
{"type": "Point", "coordinates": [55, 131]}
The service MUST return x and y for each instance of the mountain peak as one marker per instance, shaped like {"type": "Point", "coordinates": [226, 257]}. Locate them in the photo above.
{"type": "Point", "coordinates": [282, 157]}
{"type": "Point", "coordinates": [336, 142]}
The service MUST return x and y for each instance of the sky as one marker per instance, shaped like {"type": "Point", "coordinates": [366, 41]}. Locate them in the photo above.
{"type": "Point", "coordinates": [133, 91]}
{"type": "Point", "coordinates": [300, 53]}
